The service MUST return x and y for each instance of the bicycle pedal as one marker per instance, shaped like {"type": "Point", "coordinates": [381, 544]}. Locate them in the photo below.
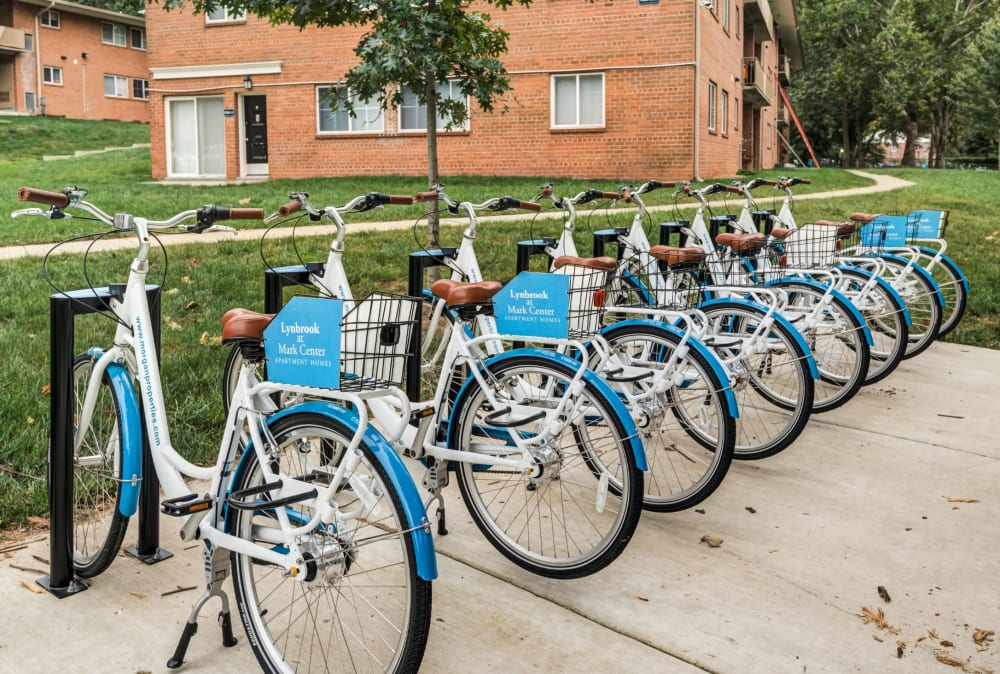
{"type": "Point", "coordinates": [182, 506]}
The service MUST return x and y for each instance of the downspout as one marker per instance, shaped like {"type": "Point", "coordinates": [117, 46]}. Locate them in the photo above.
{"type": "Point", "coordinates": [38, 53]}
{"type": "Point", "coordinates": [697, 89]}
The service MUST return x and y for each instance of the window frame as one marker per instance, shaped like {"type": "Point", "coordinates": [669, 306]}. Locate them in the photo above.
{"type": "Point", "coordinates": [713, 106]}
{"type": "Point", "coordinates": [724, 108]}
{"type": "Point", "coordinates": [725, 12]}
{"type": "Point", "coordinates": [463, 128]}
{"type": "Point", "coordinates": [553, 107]}
{"type": "Point", "coordinates": [53, 70]}
{"type": "Point", "coordinates": [45, 19]}
{"type": "Point", "coordinates": [132, 32]}
{"type": "Point", "coordinates": [240, 17]}
{"type": "Point", "coordinates": [351, 120]}
{"type": "Point", "coordinates": [116, 79]}
{"type": "Point", "coordinates": [115, 27]}
{"type": "Point", "coordinates": [29, 42]}
{"type": "Point", "coordinates": [145, 88]}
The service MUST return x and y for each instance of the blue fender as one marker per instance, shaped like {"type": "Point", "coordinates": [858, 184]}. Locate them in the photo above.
{"type": "Point", "coordinates": [778, 318]}
{"type": "Point", "coordinates": [885, 286]}
{"type": "Point", "coordinates": [695, 344]}
{"type": "Point", "coordinates": [130, 425]}
{"type": "Point", "coordinates": [409, 497]}
{"type": "Point", "coordinates": [944, 258]}
{"type": "Point", "coordinates": [835, 293]}
{"type": "Point", "coordinates": [617, 406]}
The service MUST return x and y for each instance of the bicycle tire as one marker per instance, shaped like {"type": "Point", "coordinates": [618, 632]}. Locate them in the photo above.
{"type": "Point", "coordinates": [885, 314]}
{"type": "Point", "coordinates": [368, 591]}
{"type": "Point", "coordinates": [98, 524]}
{"type": "Point", "coordinates": [230, 375]}
{"type": "Point", "coordinates": [774, 386]}
{"type": "Point", "coordinates": [922, 296]}
{"type": "Point", "coordinates": [836, 337]}
{"type": "Point", "coordinates": [689, 430]}
{"type": "Point", "coordinates": [954, 288]}
{"type": "Point", "coordinates": [549, 522]}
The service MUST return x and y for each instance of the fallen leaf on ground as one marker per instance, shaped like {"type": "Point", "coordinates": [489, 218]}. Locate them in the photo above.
{"type": "Point", "coordinates": [641, 598]}
{"type": "Point", "coordinates": [712, 541]}
{"type": "Point", "coordinates": [138, 595]}
{"type": "Point", "coordinates": [882, 592]}
{"type": "Point", "coordinates": [982, 637]}
{"type": "Point", "coordinates": [245, 200]}
{"type": "Point", "coordinates": [947, 644]}
{"type": "Point", "coordinates": [46, 389]}
{"type": "Point", "coordinates": [961, 499]}
{"type": "Point", "coordinates": [948, 660]}
{"type": "Point", "coordinates": [171, 323]}
{"type": "Point", "coordinates": [210, 340]}
{"type": "Point", "coordinates": [877, 617]}
{"type": "Point", "coordinates": [32, 586]}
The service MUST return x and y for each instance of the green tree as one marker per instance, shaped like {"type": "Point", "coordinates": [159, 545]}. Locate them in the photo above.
{"type": "Point", "coordinates": [421, 45]}
{"type": "Point", "coordinates": [132, 7]}
{"type": "Point", "coordinates": [978, 84]}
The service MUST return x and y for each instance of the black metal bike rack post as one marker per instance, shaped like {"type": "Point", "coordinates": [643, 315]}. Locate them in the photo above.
{"type": "Point", "coordinates": [603, 237]}
{"type": "Point", "coordinates": [528, 249]}
{"type": "Point", "coordinates": [277, 279]}
{"type": "Point", "coordinates": [763, 220]}
{"type": "Point", "coordinates": [668, 229]}
{"type": "Point", "coordinates": [420, 262]}
{"type": "Point", "coordinates": [63, 310]}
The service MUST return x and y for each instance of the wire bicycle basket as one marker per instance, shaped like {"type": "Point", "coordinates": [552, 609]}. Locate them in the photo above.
{"type": "Point", "coordinates": [376, 341]}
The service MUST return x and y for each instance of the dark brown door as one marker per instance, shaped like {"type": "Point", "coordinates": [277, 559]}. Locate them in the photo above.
{"type": "Point", "coordinates": [255, 128]}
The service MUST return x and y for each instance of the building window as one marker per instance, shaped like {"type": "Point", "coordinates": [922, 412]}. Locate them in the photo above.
{"type": "Point", "coordinates": [224, 15]}
{"type": "Point", "coordinates": [578, 101]}
{"type": "Point", "coordinates": [332, 115]}
{"type": "Point", "coordinates": [736, 114]}
{"type": "Point", "coordinates": [29, 101]}
{"type": "Point", "coordinates": [138, 38]}
{"type": "Point", "coordinates": [770, 135]}
{"type": "Point", "coordinates": [724, 106]}
{"type": "Point", "coordinates": [140, 89]}
{"type": "Point", "coordinates": [50, 18]}
{"type": "Point", "coordinates": [29, 42]}
{"type": "Point", "coordinates": [738, 24]}
{"type": "Point", "coordinates": [52, 75]}
{"type": "Point", "coordinates": [413, 115]}
{"type": "Point", "coordinates": [116, 86]}
{"type": "Point", "coordinates": [113, 33]}
{"type": "Point", "coordinates": [725, 15]}
{"type": "Point", "coordinates": [713, 94]}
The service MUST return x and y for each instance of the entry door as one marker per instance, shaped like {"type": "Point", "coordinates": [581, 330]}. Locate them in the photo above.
{"type": "Point", "coordinates": [255, 134]}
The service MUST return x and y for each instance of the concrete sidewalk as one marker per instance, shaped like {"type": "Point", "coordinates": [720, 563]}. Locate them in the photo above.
{"type": "Point", "coordinates": [897, 489]}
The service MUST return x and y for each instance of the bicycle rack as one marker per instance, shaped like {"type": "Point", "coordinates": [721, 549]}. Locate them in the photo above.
{"type": "Point", "coordinates": [602, 237]}
{"type": "Point", "coordinates": [63, 310]}
{"type": "Point", "coordinates": [278, 278]}
{"type": "Point", "coordinates": [668, 229]}
{"type": "Point", "coordinates": [528, 249]}
{"type": "Point", "coordinates": [763, 220]}
{"type": "Point", "coordinates": [420, 262]}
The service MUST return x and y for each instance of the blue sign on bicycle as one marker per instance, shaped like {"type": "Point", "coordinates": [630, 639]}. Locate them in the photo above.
{"type": "Point", "coordinates": [302, 343]}
{"type": "Point", "coordinates": [533, 304]}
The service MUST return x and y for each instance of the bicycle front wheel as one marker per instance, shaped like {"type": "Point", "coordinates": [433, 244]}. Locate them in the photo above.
{"type": "Point", "coordinates": [359, 605]}
{"type": "Point", "coordinates": [953, 285]}
{"type": "Point", "coordinates": [922, 296]}
{"type": "Point", "coordinates": [98, 524]}
{"type": "Point", "coordinates": [883, 310]}
{"type": "Point", "coordinates": [577, 508]}
{"type": "Point", "coordinates": [688, 430]}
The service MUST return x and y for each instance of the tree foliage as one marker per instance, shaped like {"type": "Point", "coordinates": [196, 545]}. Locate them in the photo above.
{"type": "Point", "coordinates": [132, 7]}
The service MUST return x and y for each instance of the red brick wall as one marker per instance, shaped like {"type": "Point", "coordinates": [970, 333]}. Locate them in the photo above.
{"type": "Point", "coordinates": [81, 95]}
{"type": "Point", "coordinates": [646, 53]}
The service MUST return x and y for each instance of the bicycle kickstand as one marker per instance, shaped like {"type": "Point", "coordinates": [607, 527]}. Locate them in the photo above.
{"type": "Point", "coordinates": [216, 563]}
{"type": "Point", "coordinates": [435, 480]}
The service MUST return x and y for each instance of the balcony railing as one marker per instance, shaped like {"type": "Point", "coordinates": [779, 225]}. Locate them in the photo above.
{"type": "Point", "coordinates": [757, 83]}
{"type": "Point", "coordinates": [11, 39]}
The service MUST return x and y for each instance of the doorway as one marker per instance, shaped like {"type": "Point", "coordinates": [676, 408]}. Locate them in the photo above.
{"type": "Point", "coordinates": [255, 136]}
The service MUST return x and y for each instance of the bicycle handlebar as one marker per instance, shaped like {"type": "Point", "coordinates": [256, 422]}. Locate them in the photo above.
{"type": "Point", "coordinates": [57, 199]}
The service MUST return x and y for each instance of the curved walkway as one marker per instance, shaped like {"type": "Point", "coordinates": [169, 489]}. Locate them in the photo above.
{"type": "Point", "coordinates": [881, 183]}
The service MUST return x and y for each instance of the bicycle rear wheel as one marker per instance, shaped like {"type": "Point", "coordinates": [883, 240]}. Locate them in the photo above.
{"type": "Point", "coordinates": [770, 373]}
{"type": "Point", "coordinates": [883, 310]}
{"type": "Point", "coordinates": [98, 524]}
{"type": "Point", "coordinates": [688, 431]}
{"type": "Point", "coordinates": [578, 508]}
{"type": "Point", "coordinates": [953, 285]}
{"type": "Point", "coordinates": [922, 296]}
{"type": "Point", "coordinates": [359, 605]}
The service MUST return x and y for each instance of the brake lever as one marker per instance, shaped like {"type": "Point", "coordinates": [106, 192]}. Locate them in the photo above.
{"type": "Point", "coordinates": [40, 211]}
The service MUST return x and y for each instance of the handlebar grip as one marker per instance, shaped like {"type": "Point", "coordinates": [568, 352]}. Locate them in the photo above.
{"type": "Point", "coordinates": [657, 184]}
{"type": "Point", "coordinates": [400, 199]}
{"type": "Point", "coordinates": [426, 196]}
{"type": "Point", "coordinates": [529, 205]}
{"type": "Point", "coordinates": [246, 214]}
{"type": "Point", "coordinates": [291, 207]}
{"type": "Point", "coordinates": [608, 195]}
{"type": "Point", "coordinates": [57, 199]}
{"type": "Point", "coordinates": [734, 189]}
{"type": "Point", "coordinates": [772, 183]}
{"type": "Point", "coordinates": [805, 181]}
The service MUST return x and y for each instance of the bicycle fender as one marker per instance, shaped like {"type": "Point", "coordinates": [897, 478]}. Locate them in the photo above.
{"type": "Point", "coordinates": [591, 377]}
{"type": "Point", "coordinates": [927, 250]}
{"type": "Point", "coordinates": [695, 344]}
{"type": "Point", "coordinates": [920, 271]}
{"type": "Point", "coordinates": [885, 286]}
{"type": "Point", "coordinates": [792, 330]}
{"type": "Point", "coordinates": [639, 286]}
{"type": "Point", "coordinates": [835, 293]}
{"type": "Point", "coordinates": [130, 421]}
{"type": "Point", "coordinates": [409, 497]}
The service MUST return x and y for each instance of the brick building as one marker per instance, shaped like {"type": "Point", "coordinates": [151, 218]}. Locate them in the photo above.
{"type": "Point", "coordinates": [65, 59]}
{"type": "Point", "coordinates": [668, 88]}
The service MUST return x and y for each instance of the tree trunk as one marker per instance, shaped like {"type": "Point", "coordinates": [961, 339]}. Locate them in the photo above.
{"type": "Point", "coordinates": [845, 157]}
{"type": "Point", "coordinates": [909, 157]}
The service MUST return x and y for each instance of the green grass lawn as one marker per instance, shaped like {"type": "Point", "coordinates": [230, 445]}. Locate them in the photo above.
{"type": "Point", "coordinates": [201, 281]}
